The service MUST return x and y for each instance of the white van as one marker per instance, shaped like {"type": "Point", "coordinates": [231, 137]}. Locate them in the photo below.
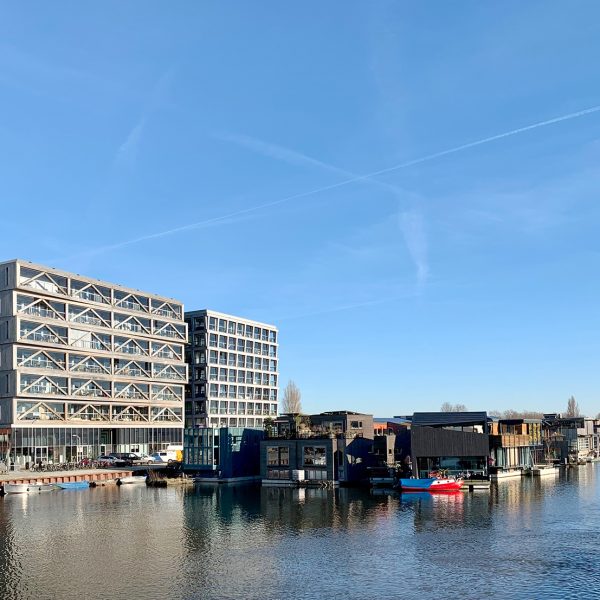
{"type": "Point", "coordinates": [172, 453]}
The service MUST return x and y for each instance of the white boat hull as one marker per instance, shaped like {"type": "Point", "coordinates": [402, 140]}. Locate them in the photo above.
{"type": "Point", "coordinates": [27, 488]}
{"type": "Point", "coordinates": [132, 479]}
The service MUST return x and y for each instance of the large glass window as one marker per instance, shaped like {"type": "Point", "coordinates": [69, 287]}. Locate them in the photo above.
{"type": "Point", "coordinates": [315, 455]}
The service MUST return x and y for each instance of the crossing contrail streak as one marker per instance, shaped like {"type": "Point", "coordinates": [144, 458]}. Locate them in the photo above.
{"type": "Point", "coordinates": [345, 182]}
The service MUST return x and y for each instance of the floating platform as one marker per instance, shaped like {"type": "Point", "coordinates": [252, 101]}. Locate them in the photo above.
{"type": "Point", "coordinates": [471, 485]}
{"type": "Point", "coordinates": [544, 470]}
{"type": "Point", "coordinates": [512, 474]}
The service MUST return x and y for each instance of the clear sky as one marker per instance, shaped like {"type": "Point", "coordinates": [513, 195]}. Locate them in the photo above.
{"type": "Point", "coordinates": [213, 152]}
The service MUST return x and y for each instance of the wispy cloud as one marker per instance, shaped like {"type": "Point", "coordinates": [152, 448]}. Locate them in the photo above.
{"type": "Point", "coordinates": [351, 180]}
{"type": "Point", "coordinates": [127, 152]}
{"type": "Point", "coordinates": [299, 159]}
{"type": "Point", "coordinates": [412, 227]}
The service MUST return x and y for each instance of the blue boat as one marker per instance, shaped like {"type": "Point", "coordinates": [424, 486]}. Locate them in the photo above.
{"type": "Point", "coordinates": [74, 485]}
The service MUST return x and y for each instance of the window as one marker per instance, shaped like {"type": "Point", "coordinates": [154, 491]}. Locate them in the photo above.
{"type": "Point", "coordinates": [315, 455]}
{"type": "Point", "coordinates": [356, 424]}
{"type": "Point", "coordinates": [212, 324]}
{"type": "Point", "coordinates": [278, 455]}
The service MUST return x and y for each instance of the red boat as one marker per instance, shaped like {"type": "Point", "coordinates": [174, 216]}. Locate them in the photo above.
{"type": "Point", "coordinates": [431, 484]}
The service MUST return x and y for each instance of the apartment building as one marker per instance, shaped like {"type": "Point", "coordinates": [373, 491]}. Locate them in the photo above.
{"type": "Point", "coordinates": [86, 367]}
{"type": "Point", "coordinates": [233, 371]}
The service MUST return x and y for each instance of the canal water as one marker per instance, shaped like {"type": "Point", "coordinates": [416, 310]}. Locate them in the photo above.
{"type": "Point", "coordinates": [535, 538]}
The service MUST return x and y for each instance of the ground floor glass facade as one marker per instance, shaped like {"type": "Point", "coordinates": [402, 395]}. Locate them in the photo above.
{"type": "Point", "coordinates": [51, 445]}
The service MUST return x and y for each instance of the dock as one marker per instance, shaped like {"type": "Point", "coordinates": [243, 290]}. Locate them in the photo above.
{"type": "Point", "coordinates": [471, 485]}
{"type": "Point", "coordinates": [98, 476]}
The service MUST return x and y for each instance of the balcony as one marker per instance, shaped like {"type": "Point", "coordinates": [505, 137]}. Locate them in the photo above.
{"type": "Point", "coordinates": [40, 388]}
{"type": "Point", "coordinates": [128, 326]}
{"type": "Point", "coordinates": [37, 311]}
{"type": "Point", "coordinates": [87, 320]}
{"type": "Point", "coordinates": [90, 344]}
{"type": "Point", "coordinates": [90, 392]}
{"type": "Point", "coordinates": [38, 363]}
{"type": "Point", "coordinates": [170, 375]}
{"type": "Point", "coordinates": [131, 395]}
{"type": "Point", "coordinates": [166, 354]}
{"type": "Point", "coordinates": [167, 397]}
{"type": "Point", "coordinates": [88, 295]}
{"type": "Point", "coordinates": [130, 350]}
{"type": "Point", "coordinates": [40, 336]}
{"type": "Point", "coordinates": [129, 372]}
{"type": "Point", "coordinates": [130, 305]}
{"type": "Point", "coordinates": [88, 368]}
{"type": "Point", "coordinates": [162, 312]}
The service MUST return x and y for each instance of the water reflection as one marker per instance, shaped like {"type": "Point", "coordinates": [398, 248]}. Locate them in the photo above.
{"type": "Point", "coordinates": [525, 538]}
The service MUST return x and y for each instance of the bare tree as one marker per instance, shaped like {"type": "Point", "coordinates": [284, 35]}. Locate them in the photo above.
{"type": "Point", "coordinates": [447, 407]}
{"type": "Point", "coordinates": [292, 399]}
{"type": "Point", "coordinates": [572, 408]}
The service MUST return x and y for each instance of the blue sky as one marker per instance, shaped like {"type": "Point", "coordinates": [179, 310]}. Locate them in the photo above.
{"type": "Point", "coordinates": [469, 276]}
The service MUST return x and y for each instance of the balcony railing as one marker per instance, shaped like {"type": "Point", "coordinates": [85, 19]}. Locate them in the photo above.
{"type": "Point", "coordinates": [90, 392]}
{"type": "Point", "coordinates": [91, 344]}
{"type": "Point", "coordinates": [43, 389]}
{"type": "Point", "coordinates": [40, 336]}
{"type": "Point", "coordinates": [37, 363]}
{"type": "Point", "coordinates": [88, 295]}
{"type": "Point", "coordinates": [127, 326]}
{"type": "Point", "coordinates": [130, 305]}
{"type": "Point", "coordinates": [37, 311]}
{"type": "Point", "coordinates": [161, 312]}
{"type": "Point", "coordinates": [87, 368]}
{"type": "Point", "coordinates": [87, 320]}
{"type": "Point", "coordinates": [167, 397]}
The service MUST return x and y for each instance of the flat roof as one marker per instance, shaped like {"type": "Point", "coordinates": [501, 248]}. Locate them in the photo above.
{"type": "Point", "coordinates": [214, 313]}
{"type": "Point", "coordinates": [31, 265]}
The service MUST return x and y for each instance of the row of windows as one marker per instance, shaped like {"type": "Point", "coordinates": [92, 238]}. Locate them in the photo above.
{"type": "Point", "coordinates": [239, 345]}
{"type": "Point", "coordinates": [225, 407]}
{"type": "Point", "coordinates": [91, 292]}
{"type": "Point", "coordinates": [239, 376]}
{"type": "Point", "coordinates": [236, 360]}
{"type": "Point", "coordinates": [242, 329]}
{"type": "Point", "coordinates": [315, 456]}
{"type": "Point", "coordinates": [235, 422]}
{"type": "Point", "coordinates": [240, 391]}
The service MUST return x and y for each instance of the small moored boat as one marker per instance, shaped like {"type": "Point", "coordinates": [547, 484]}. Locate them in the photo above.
{"type": "Point", "coordinates": [131, 479]}
{"type": "Point", "coordinates": [431, 484]}
{"type": "Point", "coordinates": [73, 485]}
{"type": "Point", "coordinates": [27, 488]}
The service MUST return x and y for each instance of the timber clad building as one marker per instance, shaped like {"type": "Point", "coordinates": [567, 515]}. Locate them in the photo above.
{"type": "Point", "coordinates": [86, 367]}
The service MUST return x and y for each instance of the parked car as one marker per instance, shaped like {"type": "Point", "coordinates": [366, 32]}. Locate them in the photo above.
{"type": "Point", "coordinates": [124, 458]}
{"type": "Point", "coordinates": [144, 459]}
{"type": "Point", "coordinates": [109, 461]}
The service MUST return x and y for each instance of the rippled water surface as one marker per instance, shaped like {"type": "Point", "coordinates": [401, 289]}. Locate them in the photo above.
{"type": "Point", "coordinates": [525, 539]}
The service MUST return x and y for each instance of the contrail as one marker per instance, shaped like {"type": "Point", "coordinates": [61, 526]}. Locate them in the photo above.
{"type": "Point", "coordinates": [333, 186]}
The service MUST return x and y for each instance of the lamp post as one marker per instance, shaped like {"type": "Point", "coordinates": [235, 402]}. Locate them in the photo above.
{"type": "Point", "coordinates": [73, 435]}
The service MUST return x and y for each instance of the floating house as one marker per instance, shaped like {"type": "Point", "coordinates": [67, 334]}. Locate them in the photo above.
{"type": "Point", "coordinates": [329, 448]}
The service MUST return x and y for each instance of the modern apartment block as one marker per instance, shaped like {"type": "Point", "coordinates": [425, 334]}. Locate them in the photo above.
{"type": "Point", "coordinates": [86, 367]}
{"type": "Point", "coordinates": [233, 371]}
